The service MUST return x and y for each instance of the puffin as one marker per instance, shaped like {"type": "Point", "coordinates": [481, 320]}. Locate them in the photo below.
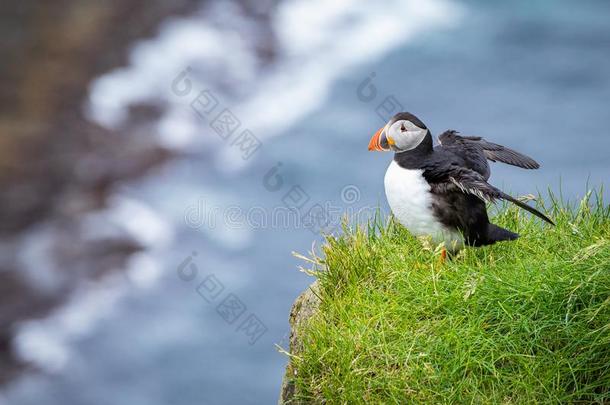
{"type": "Point", "coordinates": [442, 191]}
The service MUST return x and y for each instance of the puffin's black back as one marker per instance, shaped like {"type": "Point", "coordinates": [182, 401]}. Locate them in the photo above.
{"type": "Point", "coordinates": [468, 214]}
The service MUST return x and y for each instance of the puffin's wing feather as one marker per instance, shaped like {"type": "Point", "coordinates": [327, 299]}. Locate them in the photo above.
{"type": "Point", "coordinates": [495, 152]}
{"type": "Point", "coordinates": [471, 182]}
{"type": "Point", "coordinates": [491, 151]}
{"type": "Point", "coordinates": [471, 153]}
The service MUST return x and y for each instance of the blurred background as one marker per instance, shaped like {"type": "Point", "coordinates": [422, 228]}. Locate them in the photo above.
{"type": "Point", "coordinates": [153, 155]}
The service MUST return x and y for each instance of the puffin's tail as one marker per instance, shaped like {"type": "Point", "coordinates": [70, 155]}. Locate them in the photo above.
{"type": "Point", "coordinates": [497, 234]}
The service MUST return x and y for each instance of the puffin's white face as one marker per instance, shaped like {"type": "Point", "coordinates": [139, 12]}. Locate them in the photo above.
{"type": "Point", "coordinates": [403, 135]}
{"type": "Point", "coordinates": [399, 136]}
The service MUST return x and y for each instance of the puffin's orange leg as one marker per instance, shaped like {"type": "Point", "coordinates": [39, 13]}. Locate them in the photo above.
{"type": "Point", "coordinates": [443, 258]}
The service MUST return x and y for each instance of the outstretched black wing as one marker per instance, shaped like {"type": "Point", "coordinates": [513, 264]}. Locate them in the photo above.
{"type": "Point", "coordinates": [476, 151]}
{"type": "Point", "coordinates": [455, 177]}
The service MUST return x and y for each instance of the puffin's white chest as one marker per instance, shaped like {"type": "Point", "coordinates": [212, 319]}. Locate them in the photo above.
{"type": "Point", "coordinates": [409, 197]}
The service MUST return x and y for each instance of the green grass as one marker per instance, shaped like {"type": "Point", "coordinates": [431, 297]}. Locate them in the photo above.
{"type": "Point", "coordinates": [518, 322]}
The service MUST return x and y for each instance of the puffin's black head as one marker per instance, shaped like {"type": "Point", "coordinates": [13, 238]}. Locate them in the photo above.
{"type": "Point", "coordinates": [403, 132]}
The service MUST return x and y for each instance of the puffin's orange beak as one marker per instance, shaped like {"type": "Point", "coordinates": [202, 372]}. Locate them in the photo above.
{"type": "Point", "coordinates": [375, 143]}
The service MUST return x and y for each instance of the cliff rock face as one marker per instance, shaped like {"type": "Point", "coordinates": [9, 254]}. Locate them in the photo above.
{"type": "Point", "coordinates": [57, 167]}
{"type": "Point", "coordinates": [303, 308]}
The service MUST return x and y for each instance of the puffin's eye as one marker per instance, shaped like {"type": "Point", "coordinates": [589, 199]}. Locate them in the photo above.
{"type": "Point", "coordinates": [402, 127]}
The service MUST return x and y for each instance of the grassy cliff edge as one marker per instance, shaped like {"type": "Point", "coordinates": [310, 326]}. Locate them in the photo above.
{"type": "Point", "coordinates": [520, 322]}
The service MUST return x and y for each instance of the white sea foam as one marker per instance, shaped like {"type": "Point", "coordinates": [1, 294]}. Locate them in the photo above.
{"type": "Point", "coordinates": [319, 41]}
{"type": "Point", "coordinates": [154, 63]}
{"type": "Point", "coordinates": [46, 342]}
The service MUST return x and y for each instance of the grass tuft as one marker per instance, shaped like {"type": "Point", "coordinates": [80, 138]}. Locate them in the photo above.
{"type": "Point", "coordinates": [518, 322]}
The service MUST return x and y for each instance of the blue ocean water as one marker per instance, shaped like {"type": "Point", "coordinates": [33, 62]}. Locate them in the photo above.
{"type": "Point", "coordinates": [533, 76]}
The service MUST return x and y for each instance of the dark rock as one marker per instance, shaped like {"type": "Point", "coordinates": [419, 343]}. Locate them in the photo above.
{"type": "Point", "coordinates": [305, 306]}
{"type": "Point", "coordinates": [55, 165]}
